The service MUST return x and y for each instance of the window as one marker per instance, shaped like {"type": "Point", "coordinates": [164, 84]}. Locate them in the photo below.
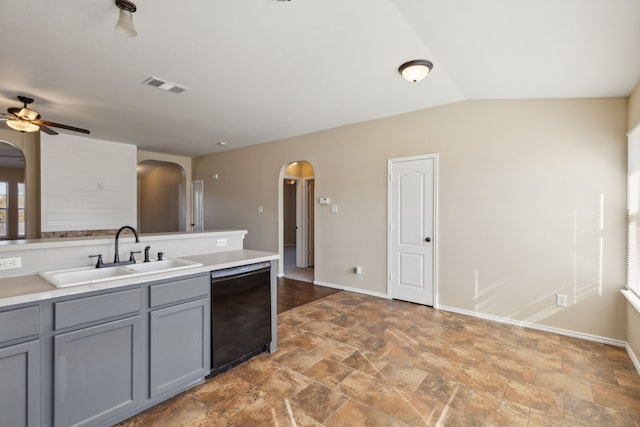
{"type": "Point", "coordinates": [22, 202]}
{"type": "Point", "coordinates": [633, 212]}
{"type": "Point", "coordinates": [4, 206]}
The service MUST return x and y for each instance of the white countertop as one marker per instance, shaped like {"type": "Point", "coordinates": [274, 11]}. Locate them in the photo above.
{"type": "Point", "coordinates": [32, 288]}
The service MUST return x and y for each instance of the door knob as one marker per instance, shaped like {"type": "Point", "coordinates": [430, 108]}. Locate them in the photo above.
{"type": "Point", "coordinates": [428, 239]}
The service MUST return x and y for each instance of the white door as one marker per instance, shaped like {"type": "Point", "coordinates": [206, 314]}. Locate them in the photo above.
{"type": "Point", "coordinates": [197, 205]}
{"type": "Point", "coordinates": [412, 197]}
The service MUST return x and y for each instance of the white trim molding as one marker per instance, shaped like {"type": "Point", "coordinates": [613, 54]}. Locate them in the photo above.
{"type": "Point", "coordinates": [347, 288]}
{"type": "Point", "coordinates": [521, 324]}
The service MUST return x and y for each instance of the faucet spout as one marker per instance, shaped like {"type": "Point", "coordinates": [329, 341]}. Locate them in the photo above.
{"type": "Point", "coordinates": [116, 258]}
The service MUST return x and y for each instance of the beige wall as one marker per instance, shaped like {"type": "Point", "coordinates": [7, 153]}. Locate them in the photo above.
{"type": "Point", "coordinates": [185, 164]}
{"type": "Point", "coordinates": [520, 190]}
{"type": "Point", "coordinates": [633, 330]}
{"type": "Point", "coordinates": [29, 144]}
{"type": "Point", "coordinates": [159, 201]}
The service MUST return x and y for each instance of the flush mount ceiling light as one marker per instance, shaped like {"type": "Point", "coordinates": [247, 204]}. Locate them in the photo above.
{"type": "Point", "coordinates": [415, 70]}
{"type": "Point", "coordinates": [125, 22]}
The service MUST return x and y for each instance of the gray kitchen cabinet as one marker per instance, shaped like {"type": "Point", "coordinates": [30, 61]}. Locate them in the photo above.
{"type": "Point", "coordinates": [20, 367]}
{"type": "Point", "coordinates": [97, 372]}
{"type": "Point", "coordinates": [97, 358]}
{"type": "Point", "coordinates": [179, 334]}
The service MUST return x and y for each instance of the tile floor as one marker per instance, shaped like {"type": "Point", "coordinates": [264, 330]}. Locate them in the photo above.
{"type": "Point", "coordinates": [354, 360]}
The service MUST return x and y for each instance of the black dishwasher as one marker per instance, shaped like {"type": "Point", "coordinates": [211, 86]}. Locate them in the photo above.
{"type": "Point", "coordinates": [240, 314]}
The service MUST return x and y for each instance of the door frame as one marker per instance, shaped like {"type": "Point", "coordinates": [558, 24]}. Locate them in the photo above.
{"type": "Point", "coordinates": [436, 221]}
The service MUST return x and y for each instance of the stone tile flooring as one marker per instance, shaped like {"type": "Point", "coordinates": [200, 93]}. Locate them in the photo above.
{"type": "Point", "coordinates": [355, 360]}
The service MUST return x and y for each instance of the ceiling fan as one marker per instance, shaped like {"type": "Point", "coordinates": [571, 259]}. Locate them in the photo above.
{"type": "Point", "coordinates": [26, 120]}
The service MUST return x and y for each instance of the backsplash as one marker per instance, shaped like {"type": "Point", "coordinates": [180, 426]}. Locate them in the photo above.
{"type": "Point", "coordinates": [77, 233]}
{"type": "Point", "coordinates": [54, 254]}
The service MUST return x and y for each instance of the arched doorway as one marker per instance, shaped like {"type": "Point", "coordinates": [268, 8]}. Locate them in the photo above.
{"type": "Point", "coordinates": [13, 197]}
{"type": "Point", "coordinates": [297, 228]}
{"type": "Point", "coordinates": [161, 197]}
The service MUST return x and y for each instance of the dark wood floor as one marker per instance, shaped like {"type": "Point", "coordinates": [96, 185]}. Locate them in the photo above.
{"type": "Point", "coordinates": [293, 293]}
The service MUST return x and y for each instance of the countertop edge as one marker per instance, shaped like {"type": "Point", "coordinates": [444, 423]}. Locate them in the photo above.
{"type": "Point", "coordinates": [37, 289]}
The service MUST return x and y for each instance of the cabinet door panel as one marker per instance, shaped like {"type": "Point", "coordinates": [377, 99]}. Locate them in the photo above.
{"type": "Point", "coordinates": [20, 380]}
{"type": "Point", "coordinates": [179, 290]}
{"type": "Point", "coordinates": [179, 345]}
{"type": "Point", "coordinates": [96, 372]}
{"type": "Point", "coordinates": [19, 323]}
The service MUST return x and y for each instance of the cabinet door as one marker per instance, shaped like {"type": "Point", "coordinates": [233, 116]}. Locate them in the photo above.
{"type": "Point", "coordinates": [20, 379]}
{"type": "Point", "coordinates": [179, 345]}
{"type": "Point", "coordinates": [97, 372]}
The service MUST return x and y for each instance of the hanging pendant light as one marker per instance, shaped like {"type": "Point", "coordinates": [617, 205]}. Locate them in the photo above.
{"type": "Point", "coordinates": [125, 22]}
{"type": "Point", "coordinates": [416, 70]}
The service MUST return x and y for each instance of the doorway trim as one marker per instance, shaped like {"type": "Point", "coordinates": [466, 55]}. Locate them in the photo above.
{"type": "Point", "coordinates": [300, 215]}
{"type": "Point", "coordinates": [436, 220]}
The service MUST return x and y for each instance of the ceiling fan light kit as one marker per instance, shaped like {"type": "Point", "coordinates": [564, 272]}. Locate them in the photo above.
{"type": "Point", "coordinates": [415, 70]}
{"type": "Point", "coordinates": [23, 126]}
{"type": "Point", "coordinates": [28, 114]}
{"type": "Point", "coordinates": [125, 21]}
{"type": "Point", "coordinates": [27, 120]}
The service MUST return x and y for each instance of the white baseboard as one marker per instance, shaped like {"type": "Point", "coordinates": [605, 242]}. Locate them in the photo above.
{"type": "Point", "coordinates": [566, 332]}
{"type": "Point", "coordinates": [347, 288]}
{"type": "Point", "coordinates": [633, 357]}
{"type": "Point", "coordinates": [518, 323]}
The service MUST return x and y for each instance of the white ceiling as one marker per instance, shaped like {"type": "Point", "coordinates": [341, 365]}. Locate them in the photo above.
{"type": "Point", "coordinates": [260, 70]}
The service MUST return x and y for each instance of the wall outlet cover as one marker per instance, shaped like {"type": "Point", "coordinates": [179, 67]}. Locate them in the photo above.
{"type": "Point", "coordinates": [562, 300]}
{"type": "Point", "coordinates": [10, 263]}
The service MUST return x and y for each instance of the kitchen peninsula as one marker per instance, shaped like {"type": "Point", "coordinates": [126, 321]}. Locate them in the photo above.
{"type": "Point", "coordinates": [98, 353]}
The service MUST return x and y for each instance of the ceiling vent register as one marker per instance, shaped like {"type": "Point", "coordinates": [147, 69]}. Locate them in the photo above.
{"type": "Point", "coordinates": [164, 85]}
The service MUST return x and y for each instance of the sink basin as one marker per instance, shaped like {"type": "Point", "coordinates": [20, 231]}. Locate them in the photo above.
{"type": "Point", "coordinates": [164, 265]}
{"type": "Point", "coordinates": [86, 275]}
{"type": "Point", "coordinates": [83, 275]}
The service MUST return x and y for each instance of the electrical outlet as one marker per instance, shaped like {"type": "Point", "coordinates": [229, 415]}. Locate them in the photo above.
{"type": "Point", "coordinates": [10, 263]}
{"type": "Point", "coordinates": [221, 242]}
{"type": "Point", "coordinates": [562, 300]}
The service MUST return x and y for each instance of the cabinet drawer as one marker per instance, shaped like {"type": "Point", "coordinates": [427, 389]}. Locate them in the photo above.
{"type": "Point", "coordinates": [99, 307]}
{"type": "Point", "coordinates": [179, 290]}
{"type": "Point", "coordinates": [19, 323]}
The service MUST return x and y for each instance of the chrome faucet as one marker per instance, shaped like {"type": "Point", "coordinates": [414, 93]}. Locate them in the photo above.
{"type": "Point", "coordinates": [116, 258]}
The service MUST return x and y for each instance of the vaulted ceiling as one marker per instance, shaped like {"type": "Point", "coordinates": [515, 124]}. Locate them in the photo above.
{"type": "Point", "coordinates": [260, 70]}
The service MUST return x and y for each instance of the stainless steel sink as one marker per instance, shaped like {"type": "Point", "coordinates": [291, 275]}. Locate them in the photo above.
{"type": "Point", "coordinates": [85, 275]}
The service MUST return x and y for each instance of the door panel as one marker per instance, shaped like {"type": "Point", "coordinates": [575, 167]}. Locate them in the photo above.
{"type": "Point", "coordinates": [412, 216]}
{"type": "Point", "coordinates": [310, 221]}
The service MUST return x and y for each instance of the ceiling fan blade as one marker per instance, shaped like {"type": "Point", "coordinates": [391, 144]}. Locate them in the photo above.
{"type": "Point", "coordinates": [47, 130]}
{"type": "Point", "coordinates": [61, 126]}
{"type": "Point", "coordinates": [13, 110]}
